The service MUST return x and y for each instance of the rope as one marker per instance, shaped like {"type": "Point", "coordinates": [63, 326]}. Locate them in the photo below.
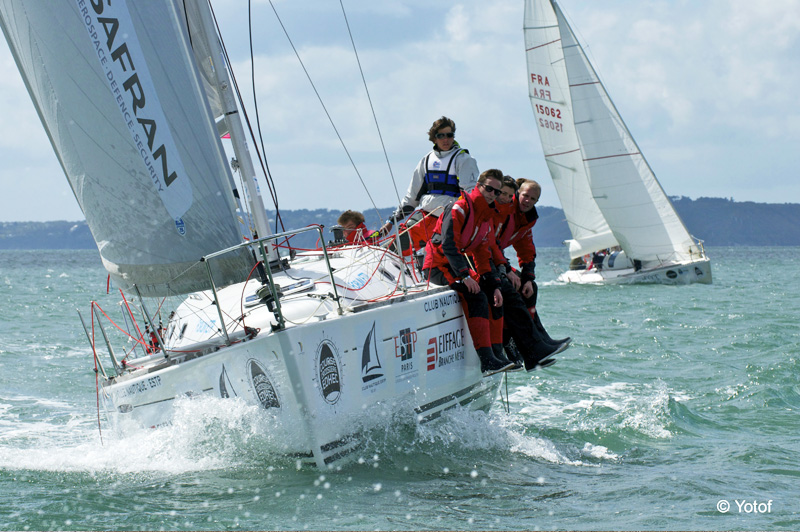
{"type": "Point", "coordinates": [133, 320]}
{"type": "Point", "coordinates": [372, 108]}
{"type": "Point", "coordinates": [507, 399]}
{"type": "Point", "coordinates": [324, 108]}
{"type": "Point", "coordinates": [96, 380]}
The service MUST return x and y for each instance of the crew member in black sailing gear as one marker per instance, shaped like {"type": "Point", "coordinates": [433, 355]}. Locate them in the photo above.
{"type": "Point", "coordinates": [513, 227]}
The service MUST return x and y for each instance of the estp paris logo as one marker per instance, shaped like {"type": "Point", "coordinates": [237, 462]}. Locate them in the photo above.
{"type": "Point", "coordinates": [405, 344]}
{"type": "Point", "coordinates": [330, 381]}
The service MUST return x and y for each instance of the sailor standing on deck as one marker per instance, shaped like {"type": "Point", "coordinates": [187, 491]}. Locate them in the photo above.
{"type": "Point", "coordinates": [437, 183]}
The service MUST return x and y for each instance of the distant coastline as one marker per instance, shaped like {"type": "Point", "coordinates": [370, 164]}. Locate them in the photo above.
{"type": "Point", "coordinates": [717, 221]}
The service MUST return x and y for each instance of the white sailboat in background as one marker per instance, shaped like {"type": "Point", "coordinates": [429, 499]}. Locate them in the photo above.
{"type": "Point", "coordinates": [615, 207]}
{"type": "Point", "coordinates": [135, 97]}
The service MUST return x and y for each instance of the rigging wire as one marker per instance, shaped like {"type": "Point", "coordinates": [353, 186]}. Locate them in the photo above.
{"type": "Point", "coordinates": [260, 153]}
{"type": "Point", "coordinates": [330, 119]}
{"type": "Point", "coordinates": [96, 378]}
{"type": "Point", "coordinates": [372, 108]}
{"type": "Point", "coordinates": [255, 102]}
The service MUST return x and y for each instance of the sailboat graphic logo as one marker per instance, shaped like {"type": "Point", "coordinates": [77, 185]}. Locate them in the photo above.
{"type": "Point", "coordinates": [370, 362]}
{"type": "Point", "coordinates": [225, 384]}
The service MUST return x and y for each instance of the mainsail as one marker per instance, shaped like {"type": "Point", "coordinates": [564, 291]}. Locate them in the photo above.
{"type": "Point", "coordinates": [609, 193]}
{"type": "Point", "coordinates": [118, 91]}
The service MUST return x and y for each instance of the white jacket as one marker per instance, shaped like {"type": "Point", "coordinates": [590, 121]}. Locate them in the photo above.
{"type": "Point", "coordinates": [465, 167]}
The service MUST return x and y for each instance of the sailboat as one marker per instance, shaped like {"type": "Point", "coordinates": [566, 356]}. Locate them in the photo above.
{"type": "Point", "coordinates": [624, 227]}
{"type": "Point", "coordinates": [135, 98]}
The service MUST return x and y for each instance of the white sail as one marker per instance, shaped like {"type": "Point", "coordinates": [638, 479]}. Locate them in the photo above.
{"type": "Point", "coordinates": [118, 92]}
{"type": "Point", "coordinates": [549, 92]}
{"type": "Point", "coordinates": [624, 188]}
{"type": "Point", "coordinates": [206, 61]}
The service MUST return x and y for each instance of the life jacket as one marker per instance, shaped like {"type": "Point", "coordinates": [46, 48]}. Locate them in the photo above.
{"type": "Point", "coordinates": [472, 232]}
{"type": "Point", "coordinates": [357, 234]}
{"type": "Point", "coordinates": [505, 225]}
{"type": "Point", "coordinates": [438, 181]}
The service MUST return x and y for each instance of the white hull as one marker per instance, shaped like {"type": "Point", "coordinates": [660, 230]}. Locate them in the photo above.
{"type": "Point", "coordinates": [698, 271]}
{"type": "Point", "coordinates": [322, 341]}
{"type": "Point", "coordinates": [333, 375]}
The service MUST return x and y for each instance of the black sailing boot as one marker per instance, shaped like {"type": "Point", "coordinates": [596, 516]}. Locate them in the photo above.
{"type": "Point", "coordinates": [497, 350]}
{"type": "Point", "coordinates": [541, 354]}
{"type": "Point", "coordinates": [489, 364]}
{"type": "Point", "coordinates": [546, 337]}
{"type": "Point", "coordinates": [513, 354]}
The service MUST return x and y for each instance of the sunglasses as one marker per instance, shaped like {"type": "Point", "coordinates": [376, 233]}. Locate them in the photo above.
{"type": "Point", "coordinates": [443, 135]}
{"type": "Point", "coordinates": [491, 190]}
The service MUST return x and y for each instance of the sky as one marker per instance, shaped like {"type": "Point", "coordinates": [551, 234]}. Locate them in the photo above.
{"type": "Point", "coordinates": [710, 91]}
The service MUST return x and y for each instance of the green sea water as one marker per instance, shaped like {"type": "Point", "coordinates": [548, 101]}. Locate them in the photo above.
{"type": "Point", "coordinates": [676, 408]}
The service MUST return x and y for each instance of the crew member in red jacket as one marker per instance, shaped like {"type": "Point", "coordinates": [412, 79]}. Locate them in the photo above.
{"type": "Point", "coordinates": [514, 227]}
{"type": "Point", "coordinates": [459, 255]}
{"type": "Point", "coordinates": [354, 229]}
{"type": "Point", "coordinates": [463, 237]}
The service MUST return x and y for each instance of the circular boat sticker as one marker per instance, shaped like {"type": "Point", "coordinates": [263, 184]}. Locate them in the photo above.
{"type": "Point", "coordinates": [262, 385]}
{"type": "Point", "coordinates": [330, 382]}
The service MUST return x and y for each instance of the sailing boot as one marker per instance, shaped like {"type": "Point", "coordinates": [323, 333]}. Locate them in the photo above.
{"type": "Point", "coordinates": [513, 354]}
{"type": "Point", "coordinates": [546, 337]}
{"type": "Point", "coordinates": [489, 364]}
{"type": "Point", "coordinates": [500, 355]}
{"type": "Point", "coordinates": [541, 354]}
{"type": "Point", "coordinates": [497, 350]}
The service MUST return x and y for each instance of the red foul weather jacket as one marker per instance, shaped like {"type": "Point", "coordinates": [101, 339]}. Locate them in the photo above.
{"type": "Point", "coordinates": [515, 228]}
{"type": "Point", "coordinates": [464, 239]}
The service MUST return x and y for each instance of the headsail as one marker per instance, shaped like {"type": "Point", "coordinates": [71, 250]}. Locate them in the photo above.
{"type": "Point", "coordinates": [549, 92]}
{"type": "Point", "coordinates": [624, 188]}
{"type": "Point", "coordinates": [120, 96]}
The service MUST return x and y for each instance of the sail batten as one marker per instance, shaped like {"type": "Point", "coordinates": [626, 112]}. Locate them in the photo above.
{"type": "Point", "coordinates": [124, 106]}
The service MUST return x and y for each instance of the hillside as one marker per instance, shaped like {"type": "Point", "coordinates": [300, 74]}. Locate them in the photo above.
{"type": "Point", "coordinates": [717, 221]}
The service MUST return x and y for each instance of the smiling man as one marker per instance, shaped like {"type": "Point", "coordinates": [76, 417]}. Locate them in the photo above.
{"type": "Point", "coordinates": [459, 254]}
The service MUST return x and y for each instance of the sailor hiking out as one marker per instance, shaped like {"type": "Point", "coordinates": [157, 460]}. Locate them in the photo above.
{"type": "Point", "coordinates": [459, 255]}
{"type": "Point", "coordinates": [513, 227]}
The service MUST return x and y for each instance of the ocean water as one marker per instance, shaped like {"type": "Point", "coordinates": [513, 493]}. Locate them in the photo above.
{"type": "Point", "coordinates": [675, 408]}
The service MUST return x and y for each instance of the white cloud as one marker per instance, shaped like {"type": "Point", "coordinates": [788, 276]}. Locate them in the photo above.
{"type": "Point", "coordinates": [705, 86]}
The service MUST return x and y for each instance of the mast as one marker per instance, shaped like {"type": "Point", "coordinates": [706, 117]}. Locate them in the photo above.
{"type": "Point", "coordinates": [234, 125]}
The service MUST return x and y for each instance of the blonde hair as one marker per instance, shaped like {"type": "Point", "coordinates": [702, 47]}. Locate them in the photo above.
{"type": "Point", "coordinates": [522, 182]}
